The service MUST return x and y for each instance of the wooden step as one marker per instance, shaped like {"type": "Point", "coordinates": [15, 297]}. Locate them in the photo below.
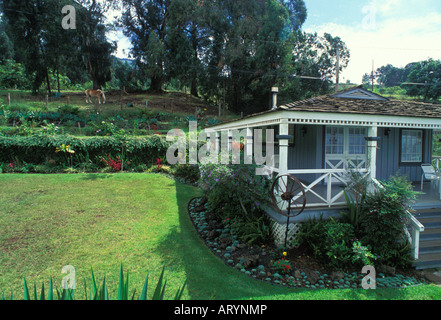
{"type": "Point", "coordinates": [430, 239]}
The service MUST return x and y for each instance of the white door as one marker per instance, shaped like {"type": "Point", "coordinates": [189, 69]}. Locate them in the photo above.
{"type": "Point", "coordinates": [345, 148]}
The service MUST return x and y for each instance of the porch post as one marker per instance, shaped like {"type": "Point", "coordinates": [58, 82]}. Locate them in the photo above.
{"type": "Point", "coordinates": [283, 147]}
{"type": "Point", "coordinates": [372, 153]}
{"type": "Point", "coordinates": [249, 146]}
{"type": "Point", "coordinates": [217, 143]}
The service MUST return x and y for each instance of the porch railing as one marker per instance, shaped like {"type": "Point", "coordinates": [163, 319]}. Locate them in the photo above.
{"type": "Point", "coordinates": [415, 229]}
{"type": "Point", "coordinates": [327, 188]}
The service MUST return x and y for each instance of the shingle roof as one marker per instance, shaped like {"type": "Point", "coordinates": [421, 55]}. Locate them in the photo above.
{"type": "Point", "coordinates": [372, 104]}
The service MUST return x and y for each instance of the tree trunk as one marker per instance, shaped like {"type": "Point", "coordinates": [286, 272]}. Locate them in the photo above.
{"type": "Point", "coordinates": [156, 84]}
{"type": "Point", "coordinates": [194, 87]}
{"type": "Point", "coordinates": [48, 83]}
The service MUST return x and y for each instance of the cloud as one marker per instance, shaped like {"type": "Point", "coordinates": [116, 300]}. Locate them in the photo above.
{"type": "Point", "coordinates": [393, 38]}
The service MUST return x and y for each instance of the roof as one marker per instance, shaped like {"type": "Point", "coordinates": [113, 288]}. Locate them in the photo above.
{"type": "Point", "coordinates": [355, 105]}
{"type": "Point", "coordinates": [360, 101]}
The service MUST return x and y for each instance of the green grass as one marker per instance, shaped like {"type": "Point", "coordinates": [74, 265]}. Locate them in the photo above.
{"type": "Point", "coordinates": [102, 220]}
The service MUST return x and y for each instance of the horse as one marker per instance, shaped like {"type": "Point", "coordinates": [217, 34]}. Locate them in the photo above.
{"type": "Point", "coordinates": [95, 93]}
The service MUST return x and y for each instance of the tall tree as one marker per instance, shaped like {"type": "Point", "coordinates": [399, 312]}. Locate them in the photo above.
{"type": "Point", "coordinates": [6, 45]}
{"type": "Point", "coordinates": [145, 23]}
{"type": "Point", "coordinates": [43, 46]}
{"type": "Point", "coordinates": [28, 21]}
{"type": "Point", "coordinates": [95, 49]}
{"type": "Point", "coordinates": [187, 37]}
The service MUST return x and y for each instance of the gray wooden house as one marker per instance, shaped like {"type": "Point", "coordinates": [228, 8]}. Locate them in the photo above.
{"type": "Point", "coordinates": [355, 129]}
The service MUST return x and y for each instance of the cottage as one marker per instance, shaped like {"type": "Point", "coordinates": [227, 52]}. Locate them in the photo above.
{"type": "Point", "coordinates": [321, 138]}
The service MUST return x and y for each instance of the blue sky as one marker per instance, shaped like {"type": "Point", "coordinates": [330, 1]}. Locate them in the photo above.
{"type": "Point", "coordinates": [379, 31]}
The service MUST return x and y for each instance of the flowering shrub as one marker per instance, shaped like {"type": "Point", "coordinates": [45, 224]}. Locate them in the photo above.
{"type": "Point", "coordinates": [282, 265]}
{"type": "Point", "coordinates": [159, 164]}
{"type": "Point", "coordinates": [114, 164]}
{"type": "Point", "coordinates": [362, 254]}
{"type": "Point", "coordinates": [108, 129]}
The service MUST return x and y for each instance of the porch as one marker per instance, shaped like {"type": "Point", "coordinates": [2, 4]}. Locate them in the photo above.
{"type": "Point", "coordinates": [318, 140]}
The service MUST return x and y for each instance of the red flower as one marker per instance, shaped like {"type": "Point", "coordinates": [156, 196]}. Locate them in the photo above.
{"type": "Point", "coordinates": [11, 165]}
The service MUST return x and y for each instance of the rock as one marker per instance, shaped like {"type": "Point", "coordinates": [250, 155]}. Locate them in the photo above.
{"type": "Point", "coordinates": [249, 261]}
{"type": "Point", "coordinates": [337, 275]}
{"type": "Point", "coordinates": [386, 269]}
{"type": "Point", "coordinates": [212, 234]}
{"type": "Point", "coordinates": [434, 277]}
{"type": "Point", "coordinates": [313, 277]}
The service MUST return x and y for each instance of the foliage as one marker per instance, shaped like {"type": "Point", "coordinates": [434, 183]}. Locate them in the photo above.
{"type": "Point", "coordinates": [108, 129]}
{"type": "Point", "coordinates": [235, 184]}
{"type": "Point", "coordinates": [98, 292]}
{"type": "Point", "coordinates": [188, 172]}
{"type": "Point", "coordinates": [114, 164]}
{"type": "Point", "coordinates": [429, 73]}
{"type": "Point", "coordinates": [237, 193]}
{"type": "Point", "coordinates": [355, 194]}
{"type": "Point", "coordinates": [383, 219]}
{"type": "Point", "coordinates": [255, 229]}
{"type": "Point", "coordinates": [282, 265]}
{"type": "Point", "coordinates": [362, 254]}
{"type": "Point", "coordinates": [13, 75]}
{"type": "Point", "coordinates": [334, 243]}
{"type": "Point", "coordinates": [38, 149]}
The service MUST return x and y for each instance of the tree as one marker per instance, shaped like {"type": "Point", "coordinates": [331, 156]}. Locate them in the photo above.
{"type": "Point", "coordinates": [27, 22]}
{"type": "Point", "coordinates": [145, 23]}
{"type": "Point", "coordinates": [95, 49]}
{"type": "Point", "coordinates": [428, 75]}
{"type": "Point", "coordinates": [390, 76]}
{"type": "Point", "coordinates": [187, 34]}
{"type": "Point", "coordinates": [6, 45]}
{"type": "Point", "coordinates": [43, 46]}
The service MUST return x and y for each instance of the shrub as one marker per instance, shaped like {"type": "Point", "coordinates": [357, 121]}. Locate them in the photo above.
{"type": "Point", "coordinates": [236, 192]}
{"type": "Point", "coordinates": [239, 184]}
{"type": "Point", "coordinates": [383, 219]}
{"type": "Point", "coordinates": [334, 243]}
{"type": "Point", "coordinates": [38, 149]}
{"type": "Point", "coordinates": [188, 172]}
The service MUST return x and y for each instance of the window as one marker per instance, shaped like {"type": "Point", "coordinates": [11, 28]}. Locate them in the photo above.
{"type": "Point", "coordinates": [357, 143]}
{"type": "Point", "coordinates": [334, 140]}
{"type": "Point", "coordinates": [349, 141]}
{"type": "Point", "coordinates": [412, 146]}
{"type": "Point", "coordinates": [345, 147]}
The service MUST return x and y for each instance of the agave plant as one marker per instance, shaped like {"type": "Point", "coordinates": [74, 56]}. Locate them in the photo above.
{"type": "Point", "coordinates": [102, 292]}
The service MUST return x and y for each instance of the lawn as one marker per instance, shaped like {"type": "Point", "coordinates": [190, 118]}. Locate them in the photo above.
{"type": "Point", "coordinates": [102, 220]}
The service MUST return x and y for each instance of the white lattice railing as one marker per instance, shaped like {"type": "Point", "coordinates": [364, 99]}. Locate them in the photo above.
{"type": "Point", "coordinates": [326, 190]}
{"type": "Point", "coordinates": [415, 229]}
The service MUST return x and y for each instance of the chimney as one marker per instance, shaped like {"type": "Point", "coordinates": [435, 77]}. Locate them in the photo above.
{"type": "Point", "coordinates": [274, 91]}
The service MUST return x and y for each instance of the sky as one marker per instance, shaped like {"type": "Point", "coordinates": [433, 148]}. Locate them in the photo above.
{"type": "Point", "coordinates": [377, 32]}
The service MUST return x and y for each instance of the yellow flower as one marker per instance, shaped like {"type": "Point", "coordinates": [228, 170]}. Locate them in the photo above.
{"type": "Point", "coordinates": [285, 254]}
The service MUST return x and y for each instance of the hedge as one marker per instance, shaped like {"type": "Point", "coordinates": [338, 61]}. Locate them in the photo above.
{"type": "Point", "coordinates": [39, 149]}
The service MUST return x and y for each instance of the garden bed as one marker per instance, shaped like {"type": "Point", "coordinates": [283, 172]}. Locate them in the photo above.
{"type": "Point", "coordinates": [303, 269]}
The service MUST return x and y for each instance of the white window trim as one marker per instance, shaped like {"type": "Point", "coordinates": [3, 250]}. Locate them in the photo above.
{"type": "Point", "coordinates": [419, 152]}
